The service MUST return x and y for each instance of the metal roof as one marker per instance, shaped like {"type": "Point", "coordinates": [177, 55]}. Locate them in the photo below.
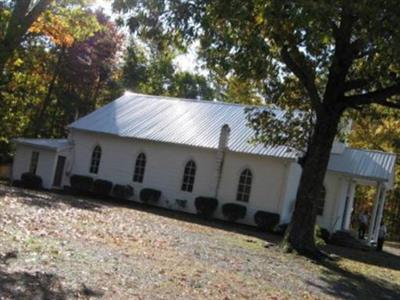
{"type": "Point", "coordinates": [180, 121]}
{"type": "Point", "coordinates": [198, 123]}
{"type": "Point", "coordinates": [367, 164]}
{"type": "Point", "coordinates": [50, 144]}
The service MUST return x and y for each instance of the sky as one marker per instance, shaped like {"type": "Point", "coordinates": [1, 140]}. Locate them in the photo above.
{"type": "Point", "coordinates": [186, 62]}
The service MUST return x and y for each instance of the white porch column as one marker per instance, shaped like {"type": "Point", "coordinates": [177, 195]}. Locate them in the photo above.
{"type": "Point", "coordinates": [374, 212]}
{"type": "Point", "coordinates": [381, 207]}
{"type": "Point", "coordinates": [349, 205]}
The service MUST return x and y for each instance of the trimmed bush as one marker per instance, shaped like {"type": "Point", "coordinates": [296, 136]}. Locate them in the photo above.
{"type": "Point", "coordinates": [31, 181]}
{"type": "Point", "coordinates": [205, 206]}
{"type": "Point", "coordinates": [281, 228]}
{"type": "Point", "coordinates": [122, 191]}
{"type": "Point", "coordinates": [80, 183]}
{"type": "Point", "coordinates": [102, 187]}
{"type": "Point", "coordinates": [16, 183]}
{"type": "Point", "coordinates": [266, 220]}
{"type": "Point", "coordinates": [149, 195]}
{"type": "Point", "coordinates": [233, 211]}
{"type": "Point", "coordinates": [181, 202]}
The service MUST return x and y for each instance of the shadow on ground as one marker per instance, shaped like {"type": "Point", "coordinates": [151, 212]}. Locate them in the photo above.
{"type": "Point", "coordinates": [51, 200]}
{"type": "Point", "coordinates": [382, 259]}
{"type": "Point", "coordinates": [23, 285]}
{"type": "Point", "coordinates": [344, 284]}
{"type": "Point", "coordinates": [38, 285]}
{"type": "Point", "coordinates": [336, 281]}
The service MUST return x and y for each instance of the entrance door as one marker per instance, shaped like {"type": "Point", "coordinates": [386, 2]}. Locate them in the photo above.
{"type": "Point", "coordinates": [59, 171]}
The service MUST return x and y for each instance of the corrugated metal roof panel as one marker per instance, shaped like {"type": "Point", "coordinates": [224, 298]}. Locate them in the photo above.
{"type": "Point", "coordinates": [180, 121]}
{"type": "Point", "coordinates": [368, 164]}
{"type": "Point", "coordinates": [53, 144]}
{"type": "Point", "coordinates": [198, 123]}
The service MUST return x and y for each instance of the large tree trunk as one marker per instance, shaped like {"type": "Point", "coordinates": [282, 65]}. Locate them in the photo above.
{"type": "Point", "coordinates": [300, 233]}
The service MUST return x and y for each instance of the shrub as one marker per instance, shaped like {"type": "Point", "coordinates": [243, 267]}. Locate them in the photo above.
{"type": "Point", "coordinates": [233, 211]}
{"type": "Point", "coordinates": [80, 183]}
{"type": "Point", "coordinates": [31, 181]}
{"type": "Point", "coordinates": [266, 220]}
{"type": "Point", "coordinates": [281, 228]}
{"type": "Point", "coordinates": [205, 206]}
{"type": "Point", "coordinates": [122, 191]}
{"type": "Point", "coordinates": [16, 183]}
{"type": "Point", "coordinates": [102, 187]}
{"type": "Point", "coordinates": [149, 195]}
{"type": "Point", "coordinates": [322, 236]}
{"type": "Point", "coordinates": [181, 202]}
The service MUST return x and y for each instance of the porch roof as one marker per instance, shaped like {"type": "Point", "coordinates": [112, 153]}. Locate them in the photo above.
{"type": "Point", "coordinates": [365, 164]}
{"type": "Point", "coordinates": [48, 144]}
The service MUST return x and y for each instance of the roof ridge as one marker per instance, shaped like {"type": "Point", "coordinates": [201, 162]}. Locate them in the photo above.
{"type": "Point", "coordinates": [217, 102]}
{"type": "Point", "coordinates": [371, 150]}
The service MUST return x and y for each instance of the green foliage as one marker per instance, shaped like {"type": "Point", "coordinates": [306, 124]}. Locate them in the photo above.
{"type": "Point", "coordinates": [238, 90]}
{"type": "Point", "coordinates": [65, 26]}
{"type": "Point", "coordinates": [205, 206]}
{"type": "Point", "coordinates": [378, 128]}
{"type": "Point", "coordinates": [31, 181]}
{"type": "Point", "coordinates": [323, 58]}
{"type": "Point", "coordinates": [65, 68]}
{"type": "Point", "coordinates": [181, 203]}
{"type": "Point", "coordinates": [284, 50]}
{"type": "Point", "coordinates": [321, 236]}
{"type": "Point", "coordinates": [150, 69]}
{"type": "Point", "coordinates": [122, 191]}
{"type": "Point", "coordinates": [150, 195]}
{"type": "Point", "coordinates": [234, 211]}
{"type": "Point", "coordinates": [266, 220]}
{"type": "Point", "coordinates": [81, 183]}
{"type": "Point", "coordinates": [102, 188]}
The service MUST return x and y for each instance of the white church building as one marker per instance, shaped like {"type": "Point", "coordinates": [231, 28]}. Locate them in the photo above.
{"type": "Point", "coordinates": [191, 148]}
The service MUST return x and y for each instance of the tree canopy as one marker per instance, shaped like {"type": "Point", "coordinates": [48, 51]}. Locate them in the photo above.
{"type": "Point", "coordinates": [322, 62]}
{"type": "Point", "coordinates": [322, 58]}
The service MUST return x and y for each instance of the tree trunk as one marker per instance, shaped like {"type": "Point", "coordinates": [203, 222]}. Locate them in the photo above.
{"type": "Point", "coordinates": [5, 54]}
{"type": "Point", "coordinates": [46, 102]}
{"type": "Point", "coordinates": [300, 233]}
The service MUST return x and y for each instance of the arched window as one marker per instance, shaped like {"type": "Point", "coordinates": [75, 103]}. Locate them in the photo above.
{"type": "Point", "coordinates": [188, 176]}
{"type": "Point", "coordinates": [95, 162]}
{"type": "Point", "coordinates": [140, 166]}
{"type": "Point", "coordinates": [321, 201]}
{"type": "Point", "coordinates": [244, 187]}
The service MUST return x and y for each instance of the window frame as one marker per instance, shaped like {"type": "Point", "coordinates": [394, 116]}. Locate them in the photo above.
{"type": "Point", "coordinates": [244, 185]}
{"type": "Point", "coordinates": [34, 161]}
{"type": "Point", "coordinates": [95, 160]}
{"type": "Point", "coordinates": [189, 176]}
{"type": "Point", "coordinates": [140, 168]}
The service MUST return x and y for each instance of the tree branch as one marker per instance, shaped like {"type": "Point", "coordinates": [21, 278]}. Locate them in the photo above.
{"type": "Point", "coordinates": [355, 84]}
{"type": "Point", "coordinates": [22, 19]}
{"type": "Point", "coordinates": [379, 97]}
{"type": "Point", "coordinates": [36, 11]}
{"type": "Point", "coordinates": [298, 64]}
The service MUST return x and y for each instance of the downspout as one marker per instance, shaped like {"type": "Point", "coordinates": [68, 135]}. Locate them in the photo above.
{"type": "Point", "coordinates": [220, 158]}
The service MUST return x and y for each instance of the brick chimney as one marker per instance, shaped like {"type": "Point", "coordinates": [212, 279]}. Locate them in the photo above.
{"type": "Point", "coordinates": [220, 157]}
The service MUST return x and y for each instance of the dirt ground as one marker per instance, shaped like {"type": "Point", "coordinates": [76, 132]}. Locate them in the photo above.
{"type": "Point", "coordinates": [66, 247]}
